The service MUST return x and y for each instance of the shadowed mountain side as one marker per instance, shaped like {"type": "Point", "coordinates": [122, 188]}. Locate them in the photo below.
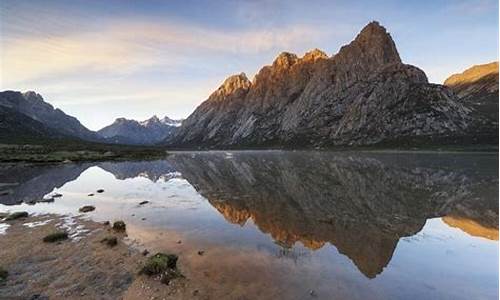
{"type": "Point", "coordinates": [152, 170]}
{"type": "Point", "coordinates": [362, 204]}
{"type": "Point", "coordinates": [33, 106]}
{"type": "Point", "coordinates": [30, 183]}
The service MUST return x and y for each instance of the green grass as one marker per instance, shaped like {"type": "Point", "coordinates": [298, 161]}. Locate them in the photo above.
{"type": "Point", "coordinates": [76, 151]}
{"type": "Point", "coordinates": [119, 226]}
{"type": "Point", "coordinates": [159, 263]}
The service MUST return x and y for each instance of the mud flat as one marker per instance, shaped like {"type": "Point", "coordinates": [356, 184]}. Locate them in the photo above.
{"type": "Point", "coordinates": [82, 266]}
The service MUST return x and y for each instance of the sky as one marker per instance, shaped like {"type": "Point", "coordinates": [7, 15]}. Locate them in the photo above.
{"type": "Point", "coordinates": [101, 60]}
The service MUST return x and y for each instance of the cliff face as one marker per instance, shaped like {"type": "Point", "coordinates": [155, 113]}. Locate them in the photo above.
{"type": "Point", "coordinates": [478, 87]}
{"type": "Point", "coordinates": [362, 95]}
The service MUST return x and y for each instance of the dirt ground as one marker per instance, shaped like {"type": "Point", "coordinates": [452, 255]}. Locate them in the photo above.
{"type": "Point", "coordinates": [81, 267]}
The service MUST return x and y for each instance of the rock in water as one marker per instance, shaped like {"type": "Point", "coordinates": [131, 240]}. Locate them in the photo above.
{"type": "Point", "coordinates": [86, 208]}
{"type": "Point", "coordinates": [362, 95]}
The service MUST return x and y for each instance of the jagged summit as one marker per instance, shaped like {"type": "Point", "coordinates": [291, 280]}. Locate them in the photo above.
{"type": "Point", "coordinates": [147, 132]}
{"type": "Point", "coordinates": [373, 46]}
{"type": "Point", "coordinates": [314, 54]}
{"type": "Point", "coordinates": [285, 60]}
{"type": "Point", "coordinates": [232, 84]}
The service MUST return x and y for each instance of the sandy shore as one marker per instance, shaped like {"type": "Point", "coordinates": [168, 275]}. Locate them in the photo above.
{"type": "Point", "coordinates": [81, 267]}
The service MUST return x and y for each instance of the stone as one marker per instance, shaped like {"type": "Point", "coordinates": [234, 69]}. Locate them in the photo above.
{"type": "Point", "coordinates": [56, 237]}
{"type": "Point", "coordinates": [86, 208]}
{"type": "Point", "coordinates": [16, 215]}
{"type": "Point", "coordinates": [119, 226]}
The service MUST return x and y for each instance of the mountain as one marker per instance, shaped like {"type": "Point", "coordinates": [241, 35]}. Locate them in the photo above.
{"type": "Point", "coordinates": [18, 127]}
{"type": "Point", "coordinates": [44, 118]}
{"type": "Point", "coordinates": [362, 95]}
{"type": "Point", "coordinates": [478, 87]}
{"type": "Point", "coordinates": [148, 132]}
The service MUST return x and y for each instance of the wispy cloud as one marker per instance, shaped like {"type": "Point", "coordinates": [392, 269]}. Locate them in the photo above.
{"type": "Point", "coordinates": [124, 47]}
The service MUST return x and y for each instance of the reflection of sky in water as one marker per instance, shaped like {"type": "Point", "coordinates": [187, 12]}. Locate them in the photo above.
{"type": "Point", "coordinates": [438, 261]}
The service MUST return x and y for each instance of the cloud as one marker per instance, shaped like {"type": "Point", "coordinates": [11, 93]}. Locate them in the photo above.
{"type": "Point", "coordinates": [124, 47]}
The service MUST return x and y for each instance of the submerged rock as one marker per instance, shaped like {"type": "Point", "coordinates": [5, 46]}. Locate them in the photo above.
{"type": "Point", "coordinates": [86, 208]}
{"type": "Point", "coordinates": [119, 226]}
{"type": "Point", "coordinates": [16, 215]}
{"type": "Point", "coordinates": [56, 236]}
{"type": "Point", "coordinates": [3, 274]}
{"type": "Point", "coordinates": [111, 241]}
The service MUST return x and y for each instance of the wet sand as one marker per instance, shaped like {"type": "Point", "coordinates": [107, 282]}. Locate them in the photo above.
{"type": "Point", "coordinates": [81, 267]}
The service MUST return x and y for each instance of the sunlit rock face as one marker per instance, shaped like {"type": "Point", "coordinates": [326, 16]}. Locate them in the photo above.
{"type": "Point", "coordinates": [472, 227]}
{"type": "Point", "coordinates": [361, 205]}
{"type": "Point", "coordinates": [478, 87]}
{"type": "Point", "coordinates": [362, 95]}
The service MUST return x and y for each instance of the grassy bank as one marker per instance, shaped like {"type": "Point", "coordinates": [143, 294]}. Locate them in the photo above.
{"type": "Point", "coordinates": [65, 151]}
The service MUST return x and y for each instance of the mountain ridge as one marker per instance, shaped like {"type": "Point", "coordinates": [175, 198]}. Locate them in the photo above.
{"type": "Point", "coordinates": [362, 95]}
{"type": "Point", "coordinates": [147, 132]}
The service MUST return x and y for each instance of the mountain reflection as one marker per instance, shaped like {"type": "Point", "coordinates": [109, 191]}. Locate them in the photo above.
{"type": "Point", "coordinates": [360, 203]}
{"type": "Point", "coordinates": [29, 183]}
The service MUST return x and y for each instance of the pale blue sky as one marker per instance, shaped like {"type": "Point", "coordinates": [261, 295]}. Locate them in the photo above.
{"type": "Point", "coordinates": [99, 60]}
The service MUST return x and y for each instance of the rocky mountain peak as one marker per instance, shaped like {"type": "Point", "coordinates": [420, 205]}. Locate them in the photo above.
{"type": "Point", "coordinates": [285, 60]}
{"type": "Point", "coordinates": [232, 84]}
{"type": "Point", "coordinates": [314, 55]}
{"type": "Point", "coordinates": [373, 47]}
{"type": "Point", "coordinates": [34, 97]}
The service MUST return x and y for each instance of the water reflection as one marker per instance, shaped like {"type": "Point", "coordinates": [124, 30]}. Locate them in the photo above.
{"type": "Point", "coordinates": [363, 204]}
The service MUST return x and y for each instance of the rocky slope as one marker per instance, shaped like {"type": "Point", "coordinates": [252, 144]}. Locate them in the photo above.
{"type": "Point", "coordinates": [478, 87]}
{"type": "Point", "coordinates": [362, 95]}
{"type": "Point", "coordinates": [148, 132]}
{"type": "Point", "coordinates": [18, 127]}
{"type": "Point", "coordinates": [32, 105]}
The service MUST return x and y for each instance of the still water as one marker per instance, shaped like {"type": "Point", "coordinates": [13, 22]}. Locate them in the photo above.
{"type": "Point", "coordinates": [295, 225]}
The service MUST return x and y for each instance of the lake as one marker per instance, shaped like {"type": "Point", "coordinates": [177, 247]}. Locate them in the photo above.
{"type": "Point", "coordinates": [294, 224]}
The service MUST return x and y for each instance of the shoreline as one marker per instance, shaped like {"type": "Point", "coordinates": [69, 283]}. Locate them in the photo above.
{"type": "Point", "coordinates": [81, 266]}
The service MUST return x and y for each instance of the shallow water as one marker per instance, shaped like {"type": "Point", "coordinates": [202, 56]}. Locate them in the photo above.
{"type": "Point", "coordinates": [295, 225]}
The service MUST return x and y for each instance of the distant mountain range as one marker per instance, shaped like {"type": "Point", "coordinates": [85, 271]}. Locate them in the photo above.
{"type": "Point", "coordinates": [26, 117]}
{"type": "Point", "coordinates": [363, 95]}
{"type": "Point", "coordinates": [148, 132]}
